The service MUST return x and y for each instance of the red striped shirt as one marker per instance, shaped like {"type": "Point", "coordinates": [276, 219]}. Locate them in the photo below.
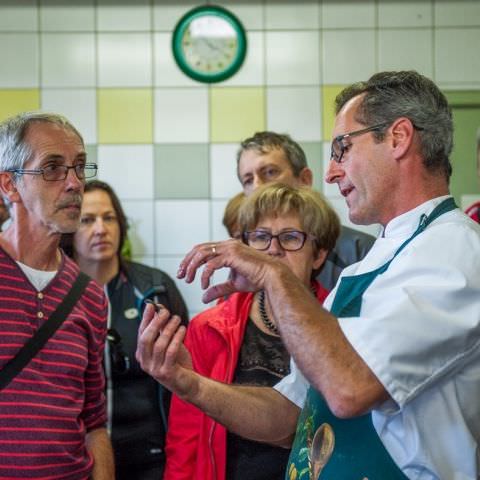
{"type": "Point", "coordinates": [47, 409]}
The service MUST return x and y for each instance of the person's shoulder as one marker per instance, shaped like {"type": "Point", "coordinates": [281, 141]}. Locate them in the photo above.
{"type": "Point", "coordinates": [145, 274]}
{"type": "Point", "coordinates": [353, 235]}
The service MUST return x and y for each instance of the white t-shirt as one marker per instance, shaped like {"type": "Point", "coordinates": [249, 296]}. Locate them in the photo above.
{"type": "Point", "coordinates": [38, 278]}
{"type": "Point", "coordinates": [419, 332]}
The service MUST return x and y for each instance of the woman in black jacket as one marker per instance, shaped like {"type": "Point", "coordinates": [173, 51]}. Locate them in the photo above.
{"type": "Point", "coordinates": [137, 405]}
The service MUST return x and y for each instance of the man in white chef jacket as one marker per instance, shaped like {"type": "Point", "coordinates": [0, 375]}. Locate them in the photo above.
{"type": "Point", "coordinates": [392, 363]}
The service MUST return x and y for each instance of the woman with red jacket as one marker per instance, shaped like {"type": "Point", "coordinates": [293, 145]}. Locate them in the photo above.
{"type": "Point", "coordinates": [237, 341]}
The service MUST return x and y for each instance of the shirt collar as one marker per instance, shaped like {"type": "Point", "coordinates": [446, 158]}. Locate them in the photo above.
{"type": "Point", "coordinates": [406, 223]}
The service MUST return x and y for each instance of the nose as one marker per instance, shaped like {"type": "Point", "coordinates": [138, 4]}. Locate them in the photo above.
{"type": "Point", "coordinates": [334, 172]}
{"type": "Point", "coordinates": [99, 226]}
{"type": "Point", "coordinates": [257, 182]}
{"type": "Point", "coordinates": [275, 250]}
{"type": "Point", "coordinates": [73, 183]}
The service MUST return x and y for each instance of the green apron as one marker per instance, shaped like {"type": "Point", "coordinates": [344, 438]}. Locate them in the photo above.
{"type": "Point", "coordinates": [358, 452]}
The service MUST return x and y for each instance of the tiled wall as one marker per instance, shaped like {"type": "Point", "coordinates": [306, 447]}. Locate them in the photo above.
{"type": "Point", "coordinates": [166, 143]}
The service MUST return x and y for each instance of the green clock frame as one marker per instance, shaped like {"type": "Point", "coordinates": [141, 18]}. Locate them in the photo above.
{"type": "Point", "coordinates": [177, 42]}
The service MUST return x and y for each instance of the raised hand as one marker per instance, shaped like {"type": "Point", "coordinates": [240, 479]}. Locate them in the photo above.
{"type": "Point", "coordinates": [249, 268]}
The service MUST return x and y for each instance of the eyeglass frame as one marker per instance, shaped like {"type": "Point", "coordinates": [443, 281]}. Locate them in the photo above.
{"type": "Point", "coordinates": [41, 171]}
{"type": "Point", "coordinates": [277, 236]}
{"type": "Point", "coordinates": [339, 140]}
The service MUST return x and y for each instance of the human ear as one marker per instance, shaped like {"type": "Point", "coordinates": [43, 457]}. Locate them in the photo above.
{"type": "Point", "coordinates": [306, 177]}
{"type": "Point", "coordinates": [402, 135]}
{"type": "Point", "coordinates": [8, 187]}
{"type": "Point", "coordinates": [319, 259]}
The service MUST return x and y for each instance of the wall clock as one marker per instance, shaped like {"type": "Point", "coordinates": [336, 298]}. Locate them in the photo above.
{"type": "Point", "coordinates": [209, 44]}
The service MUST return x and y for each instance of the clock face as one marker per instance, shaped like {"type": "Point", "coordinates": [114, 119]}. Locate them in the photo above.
{"type": "Point", "coordinates": [209, 44]}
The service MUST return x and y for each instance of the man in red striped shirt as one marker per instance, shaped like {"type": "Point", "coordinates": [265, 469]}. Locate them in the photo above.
{"type": "Point", "coordinates": [52, 414]}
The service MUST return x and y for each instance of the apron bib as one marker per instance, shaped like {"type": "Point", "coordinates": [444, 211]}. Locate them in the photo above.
{"type": "Point", "coordinates": [358, 452]}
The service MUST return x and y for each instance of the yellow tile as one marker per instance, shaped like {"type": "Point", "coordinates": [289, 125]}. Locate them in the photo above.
{"type": "Point", "coordinates": [125, 115]}
{"type": "Point", "coordinates": [329, 92]}
{"type": "Point", "coordinates": [16, 101]}
{"type": "Point", "coordinates": [236, 113]}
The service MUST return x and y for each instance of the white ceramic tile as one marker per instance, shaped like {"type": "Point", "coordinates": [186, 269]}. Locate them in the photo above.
{"type": "Point", "coordinates": [457, 58]}
{"type": "Point", "coordinates": [18, 60]}
{"type": "Point", "coordinates": [219, 232]}
{"type": "Point", "coordinates": [249, 12]}
{"type": "Point", "coordinates": [223, 170]}
{"type": "Point", "coordinates": [68, 60]}
{"type": "Point", "coordinates": [141, 230]}
{"type": "Point", "coordinates": [166, 71]}
{"type": "Point", "coordinates": [145, 259]}
{"type": "Point", "coordinates": [180, 224]}
{"type": "Point", "coordinates": [459, 13]}
{"type": "Point", "coordinates": [292, 58]}
{"type": "Point", "coordinates": [58, 16]}
{"type": "Point", "coordinates": [78, 105]}
{"type": "Point", "coordinates": [296, 111]}
{"type": "Point", "coordinates": [405, 13]}
{"type": "Point", "coordinates": [291, 15]}
{"type": "Point", "coordinates": [251, 72]}
{"type": "Point", "coordinates": [181, 115]}
{"type": "Point", "coordinates": [123, 15]}
{"type": "Point", "coordinates": [348, 13]}
{"type": "Point", "coordinates": [124, 60]}
{"type": "Point", "coordinates": [167, 14]}
{"type": "Point", "coordinates": [21, 15]}
{"type": "Point", "coordinates": [129, 169]}
{"type": "Point", "coordinates": [191, 293]}
{"type": "Point", "coordinates": [406, 49]}
{"type": "Point", "coordinates": [348, 56]}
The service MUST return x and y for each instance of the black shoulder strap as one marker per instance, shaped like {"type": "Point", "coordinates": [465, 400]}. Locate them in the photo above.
{"type": "Point", "coordinates": [34, 345]}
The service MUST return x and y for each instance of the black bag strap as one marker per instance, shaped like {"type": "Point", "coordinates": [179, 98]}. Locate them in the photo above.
{"type": "Point", "coordinates": [41, 336]}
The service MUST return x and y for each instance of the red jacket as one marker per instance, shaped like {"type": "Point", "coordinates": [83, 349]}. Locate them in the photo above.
{"type": "Point", "coordinates": [196, 446]}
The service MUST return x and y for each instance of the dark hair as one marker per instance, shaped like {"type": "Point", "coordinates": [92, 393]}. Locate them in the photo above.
{"type": "Point", "coordinates": [390, 95]}
{"type": "Point", "coordinates": [67, 239]}
{"type": "Point", "coordinates": [264, 142]}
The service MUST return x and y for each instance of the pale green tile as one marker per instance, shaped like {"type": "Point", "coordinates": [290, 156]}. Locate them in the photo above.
{"type": "Point", "coordinates": [329, 92]}
{"type": "Point", "coordinates": [236, 113]}
{"type": "Point", "coordinates": [182, 171]}
{"type": "Point", "coordinates": [314, 154]}
{"type": "Point", "coordinates": [125, 115]}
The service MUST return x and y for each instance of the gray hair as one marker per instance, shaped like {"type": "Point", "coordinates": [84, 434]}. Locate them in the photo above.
{"type": "Point", "coordinates": [390, 95]}
{"type": "Point", "coordinates": [14, 151]}
{"type": "Point", "coordinates": [265, 142]}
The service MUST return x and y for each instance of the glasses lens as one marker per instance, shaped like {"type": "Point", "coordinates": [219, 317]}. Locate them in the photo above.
{"type": "Point", "coordinates": [259, 240]}
{"type": "Point", "coordinates": [88, 171]}
{"type": "Point", "coordinates": [291, 240]}
{"type": "Point", "coordinates": [337, 150]}
{"type": "Point", "coordinates": [55, 172]}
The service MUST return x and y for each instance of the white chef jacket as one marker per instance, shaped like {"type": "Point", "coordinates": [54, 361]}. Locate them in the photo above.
{"type": "Point", "coordinates": [419, 332]}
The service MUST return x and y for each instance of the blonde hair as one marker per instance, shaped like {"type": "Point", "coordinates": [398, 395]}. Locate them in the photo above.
{"type": "Point", "coordinates": [230, 215]}
{"type": "Point", "coordinates": [316, 216]}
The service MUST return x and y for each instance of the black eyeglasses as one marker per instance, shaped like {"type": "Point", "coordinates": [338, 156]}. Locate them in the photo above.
{"type": "Point", "coordinates": [339, 148]}
{"type": "Point", "coordinates": [290, 241]}
{"type": "Point", "coordinates": [53, 172]}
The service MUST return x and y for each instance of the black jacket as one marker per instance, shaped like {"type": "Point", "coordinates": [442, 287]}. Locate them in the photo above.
{"type": "Point", "coordinates": [140, 404]}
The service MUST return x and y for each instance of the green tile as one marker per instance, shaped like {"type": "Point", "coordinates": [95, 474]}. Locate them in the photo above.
{"type": "Point", "coordinates": [182, 171]}
{"type": "Point", "coordinates": [314, 153]}
{"type": "Point", "coordinates": [125, 115]}
{"type": "Point", "coordinates": [236, 113]}
{"type": "Point", "coordinates": [13, 102]}
{"type": "Point", "coordinates": [329, 92]}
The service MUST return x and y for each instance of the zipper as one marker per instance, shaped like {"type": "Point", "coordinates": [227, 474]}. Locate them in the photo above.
{"type": "Point", "coordinates": [212, 429]}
